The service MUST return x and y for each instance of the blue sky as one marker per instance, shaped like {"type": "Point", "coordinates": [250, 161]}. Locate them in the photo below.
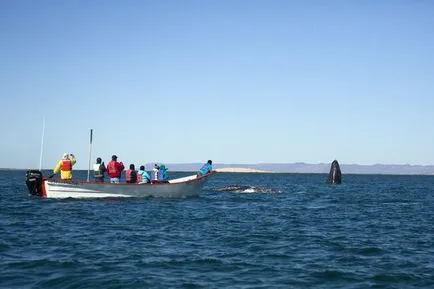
{"type": "Point", "coordinates": [234, 81]}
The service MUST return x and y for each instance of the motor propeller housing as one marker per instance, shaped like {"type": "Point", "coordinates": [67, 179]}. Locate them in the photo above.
{"type": "Point", "coordinates": [34, 182]}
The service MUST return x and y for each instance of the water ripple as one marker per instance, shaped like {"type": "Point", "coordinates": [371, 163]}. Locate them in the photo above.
{"type": "Point", "coordinates": [300, 233]}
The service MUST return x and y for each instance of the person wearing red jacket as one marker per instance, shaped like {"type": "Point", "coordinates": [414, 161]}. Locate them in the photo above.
{"type": "Point", "coordinates": [114, 170]}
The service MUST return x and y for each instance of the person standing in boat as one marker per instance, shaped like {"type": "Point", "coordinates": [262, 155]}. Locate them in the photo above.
{"type": "Point", "coordinates": [114, 170]}
{"type": "Point", "coordinates": [64, 166]}
{"type": "Point", "coordinates": [206, 168]}
{"type": "Point", "coordinates": [98, 170]}
{"type": "Point", "coordinates": [143, 176]}
{"type": "Point", "coordinates": [131, 175]}
{"type": "Point", "coordinates": [155, 173]}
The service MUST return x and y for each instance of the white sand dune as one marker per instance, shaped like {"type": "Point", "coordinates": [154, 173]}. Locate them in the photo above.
{"type": "Point", "coordinates": [239, 170]}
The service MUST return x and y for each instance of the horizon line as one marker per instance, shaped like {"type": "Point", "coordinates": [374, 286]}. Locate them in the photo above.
{"type": "Point", "coordinates": [252, 164]}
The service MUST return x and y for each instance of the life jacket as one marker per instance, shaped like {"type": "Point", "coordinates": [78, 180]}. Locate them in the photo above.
{"type": "Point", "coordinates": [66, 165]}
{"type": "Point", "coordinates": [139, 178]}
{"type": "Point", "coordinates": [156, 174]}
{"type": "Point", "coordinates": [97, 171]}
{"type": "Point", "coordinates": [112, 169]}
{"type": "Point", "coordinates": [131, 176]}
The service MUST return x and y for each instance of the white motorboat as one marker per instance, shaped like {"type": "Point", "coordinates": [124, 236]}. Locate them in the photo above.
{"type": "Point", "coordinates": [189, 186]}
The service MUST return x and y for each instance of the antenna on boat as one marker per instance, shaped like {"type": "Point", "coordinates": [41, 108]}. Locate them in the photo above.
{"type": "Point", "coordinates": [42, 143]}
{"type": "Point", "coordinates": [90, 154]}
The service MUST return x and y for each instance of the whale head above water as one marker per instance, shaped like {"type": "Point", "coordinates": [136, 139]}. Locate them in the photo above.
{"type": "Point", "coordinates": [335, 175]}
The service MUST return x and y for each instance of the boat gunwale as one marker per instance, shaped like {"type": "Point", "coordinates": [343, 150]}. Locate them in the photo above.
{"type": "Point", "coordinates": [73, 182]}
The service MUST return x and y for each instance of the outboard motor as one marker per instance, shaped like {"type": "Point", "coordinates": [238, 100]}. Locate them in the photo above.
{"type": "Point", "coordinates": [34, 182]}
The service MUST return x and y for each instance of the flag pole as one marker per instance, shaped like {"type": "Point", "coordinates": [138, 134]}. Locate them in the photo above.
{"type": "Point", "coordinates": [42, 144]}
{"type": "Point", "coordinates": [90, 154]}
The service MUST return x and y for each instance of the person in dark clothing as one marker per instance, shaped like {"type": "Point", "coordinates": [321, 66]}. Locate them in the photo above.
{"type": "Point", "coordinates": [99, 170]}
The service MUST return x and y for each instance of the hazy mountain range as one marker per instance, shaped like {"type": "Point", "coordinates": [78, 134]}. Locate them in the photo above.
{"type": "Point", "coordinates": [317, 168]}
{"type": "Point", "coordinates": [305, 168]}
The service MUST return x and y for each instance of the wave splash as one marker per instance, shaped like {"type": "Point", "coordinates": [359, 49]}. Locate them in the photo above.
{"type": "Point", "coordinates": [246, 189]}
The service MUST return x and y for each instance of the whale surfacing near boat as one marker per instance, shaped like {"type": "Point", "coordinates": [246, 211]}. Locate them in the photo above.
{"type": "Point", "coordinates": [335, 175]}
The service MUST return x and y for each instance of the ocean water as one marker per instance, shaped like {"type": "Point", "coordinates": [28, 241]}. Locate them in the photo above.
{"type": "Point", "coordinates": [244, 231]}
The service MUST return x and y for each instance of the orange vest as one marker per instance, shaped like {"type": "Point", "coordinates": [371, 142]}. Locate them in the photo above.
{"type": "Point", "coordinates": [66, 165]}
{"type": "Point", "coordinates": [128, 175]}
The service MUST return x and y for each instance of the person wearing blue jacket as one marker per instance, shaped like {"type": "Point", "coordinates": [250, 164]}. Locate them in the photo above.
{"type": "Point", "coordinates": [163, 176]}
{"type": "Point", "coordinates": [160, 175]}
{"type": "Point", "coordinates": [143, 176]}
{"type": "Point", "coordinates": [206, 168]}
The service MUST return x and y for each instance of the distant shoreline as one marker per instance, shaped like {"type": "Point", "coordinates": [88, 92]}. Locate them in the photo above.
{"type": "Point", "coordinates": [240, 170]}
{"type": "Point", "coordinates": [296, 168]}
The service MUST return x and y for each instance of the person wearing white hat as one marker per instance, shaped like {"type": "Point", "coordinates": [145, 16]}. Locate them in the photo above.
{"type": "Point", "coordinates": [64, 166]}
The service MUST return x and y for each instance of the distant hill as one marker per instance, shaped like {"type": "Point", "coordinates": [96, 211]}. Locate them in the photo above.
{"type": "Point", "coordinates": [321, 168]}
{"type": "Point", "coordinates": [303, 168]}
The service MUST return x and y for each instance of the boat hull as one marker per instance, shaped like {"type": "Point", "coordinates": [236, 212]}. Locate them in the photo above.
{"type": "Point", "coordinates": [177, 188]}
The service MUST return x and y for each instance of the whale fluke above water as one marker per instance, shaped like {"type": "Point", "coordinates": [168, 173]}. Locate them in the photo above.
{"type": "Point", "coordinates": [335, 175]}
